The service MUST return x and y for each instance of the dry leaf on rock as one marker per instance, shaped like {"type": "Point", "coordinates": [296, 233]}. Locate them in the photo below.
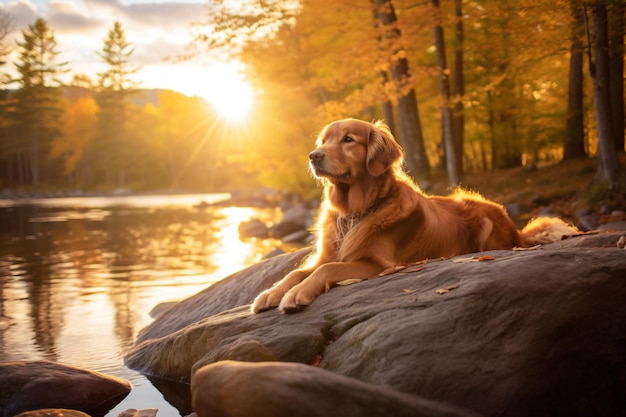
{"type": "Point", "coordinates": [447, 289]}
{"type": "Point", "coordinates": [531, 248]}
{"type": "Point", "coordinates": [393, 269]}
{"type": "Point", "coordinates": [348, 282]}
{"type": "Point", "coordinates": [464, 260]}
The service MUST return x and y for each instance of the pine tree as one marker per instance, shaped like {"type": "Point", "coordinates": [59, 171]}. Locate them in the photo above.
{"type": "Point", "coordinates": [39, 104]}
{"type": "Point", "coordinates": [115, 85]}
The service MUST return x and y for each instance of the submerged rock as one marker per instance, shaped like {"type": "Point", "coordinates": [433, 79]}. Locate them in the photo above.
{"type": "Point", "coordinates": [518, 333]}
{"type": "Point", "coordinates": [36, 385]}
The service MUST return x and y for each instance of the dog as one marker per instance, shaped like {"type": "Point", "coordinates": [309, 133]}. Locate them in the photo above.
{"type": "Point", "coordinates": [373, 218]}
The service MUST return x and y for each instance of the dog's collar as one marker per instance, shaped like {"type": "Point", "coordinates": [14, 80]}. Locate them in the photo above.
{"type": "Point", "coordinates": [369, 210]}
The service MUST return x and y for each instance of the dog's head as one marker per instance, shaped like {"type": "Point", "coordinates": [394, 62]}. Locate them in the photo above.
{"type": "Point", "coordinates": [349, 149]}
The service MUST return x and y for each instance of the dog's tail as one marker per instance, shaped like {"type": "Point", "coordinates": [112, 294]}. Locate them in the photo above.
{"type": "Point", "coordinates": [544, 230]}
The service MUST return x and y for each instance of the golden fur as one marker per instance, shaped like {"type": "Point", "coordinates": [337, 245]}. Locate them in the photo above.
{"type": "Point", "coordinates": [374, 217]}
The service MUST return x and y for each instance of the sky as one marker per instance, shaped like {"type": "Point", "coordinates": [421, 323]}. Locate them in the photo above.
{"type": "Point", "coordinates": [158, 29]}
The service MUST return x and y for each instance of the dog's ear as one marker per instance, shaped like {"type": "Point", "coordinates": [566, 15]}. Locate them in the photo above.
{"type": "Point", "coordinates": [382, 150]}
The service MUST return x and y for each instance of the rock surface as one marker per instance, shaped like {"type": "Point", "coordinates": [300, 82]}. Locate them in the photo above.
{"type": "Point", "coordinates": [35, 385]}
{"type": "Point", "coordinates": [243, 389]}
{"type": "Point", "coordinates": [535, 332]}
{"type": "Point", "coordinates": [52, 412]}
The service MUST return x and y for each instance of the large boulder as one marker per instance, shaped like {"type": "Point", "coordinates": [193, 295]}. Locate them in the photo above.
{"type": "Point", "coordinates": [34, 385]}
{"type": "Point", "coordinates": [270, 389]}
{"type": "Point", "coordinates": [534, 332]}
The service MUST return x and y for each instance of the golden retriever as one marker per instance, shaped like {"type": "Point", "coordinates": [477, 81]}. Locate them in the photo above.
{"type": "Point", "coordinates": [374, 218]}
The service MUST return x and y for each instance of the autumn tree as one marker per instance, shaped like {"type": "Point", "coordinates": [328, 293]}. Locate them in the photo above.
{"type": "Point", "coordinates": [281, 55]}
{"type": "Point", "coordinates": [609, 169]}
{"type": "Point", "coordinates": [78, 129]}
{"type": "Point", "coordinates": [39, 105]}
{"type": "Point", "coordinates": [458, 85]}
{"type": "Point", "coordinates": [6, 25]}
{"type": "Point", "coordinates": [574, 146]}
{"type": "Point", "coordinates": [616, 70]}
{"type": "Point", "coordinates": [115, 85]}
{"type": "Point", "coordinates": [410, 125]}
{"type": "Point", "coordinates": [447, 126]}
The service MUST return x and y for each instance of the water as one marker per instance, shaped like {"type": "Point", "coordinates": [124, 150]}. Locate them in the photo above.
{"type": "Point", "coordinates": [79, 276]}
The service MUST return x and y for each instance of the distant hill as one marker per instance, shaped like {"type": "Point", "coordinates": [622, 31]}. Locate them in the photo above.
{"type": "Point", "coordinates": [140, 98]}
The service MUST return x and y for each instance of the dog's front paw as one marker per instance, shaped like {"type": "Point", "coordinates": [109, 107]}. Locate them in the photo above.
{"type": "Point", "coordinates": [267, 299]}
{"type": "Point", "coordinates": [296, 299]}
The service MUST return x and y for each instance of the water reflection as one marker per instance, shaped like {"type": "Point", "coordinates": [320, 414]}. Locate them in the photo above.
{"type": "Point", "coordinates": [77, 283]}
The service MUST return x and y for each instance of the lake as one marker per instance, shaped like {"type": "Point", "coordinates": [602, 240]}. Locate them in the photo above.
{"type": "Point", "coordinates": [79, 276]}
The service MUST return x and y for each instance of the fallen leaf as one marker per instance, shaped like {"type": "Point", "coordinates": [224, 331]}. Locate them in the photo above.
{"type": "Point", "coordinates": [531, 248]}
{"type": "Point", "coordinates": [486, 258]}
{"type": "Point", "coordinates": [348, 282]}
{"type": "Point", "coordinates": [447, 289]}
{"type": "Point", "coordinates": [317, 360]}
{"type": "Point", "coordinates": [414, 269]}
{"type": "Point", "coordinates": [406, 290]}
{"type": "Point", "coordinates": [464, 260]}
{"type": "Point", "coordinates": [393, 269]}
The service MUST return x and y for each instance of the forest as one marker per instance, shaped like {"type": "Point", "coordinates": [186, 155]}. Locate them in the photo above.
{"type": "Point", "coordinates": [466, 86]}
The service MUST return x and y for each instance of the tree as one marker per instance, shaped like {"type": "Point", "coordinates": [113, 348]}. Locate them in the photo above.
{"type": "Point", "coordinates": [449, 144]}
{"type": "Point", "coordinates": [39, 105]}
{"type": "Point", "coordinates": [79, 125]}
{"type": "Point", "coordinates": [609, 169]}
{"type": "Point", "coordinates": [458, 86]}
{"type": "Point", "coordinates": [115, 85]}
{"type": "Point", "coordinates": [410, 125]}
{"type": "Point", "coordinates": [574, 146]}
{"type": "Point", "coordinates": [6, 26]}
{"type": "Point", "coordinates": [616, 77]}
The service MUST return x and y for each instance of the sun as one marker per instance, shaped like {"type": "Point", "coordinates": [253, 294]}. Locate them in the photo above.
{"type": "Point", "coordinates": [222, 85]}
{"type": "Point", "coordinates": [225, 88]}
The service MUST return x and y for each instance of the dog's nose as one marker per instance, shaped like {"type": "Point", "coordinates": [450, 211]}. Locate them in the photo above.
{"type": "Point", "coordinates": [316, 156]}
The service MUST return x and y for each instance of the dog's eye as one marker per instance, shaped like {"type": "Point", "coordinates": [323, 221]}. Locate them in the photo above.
{"type": "Point", "coordinates": [348, 139]}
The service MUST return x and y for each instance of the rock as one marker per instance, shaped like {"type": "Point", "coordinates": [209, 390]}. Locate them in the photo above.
{"type": "Point", "coordinates": [294, 219]}
{"type": "Point", "coordinates": [33, 385]}
{"type": "Point", "coordinates": [238, 289]}
{"type": "Point", "coordinates": [618, 225]}
{"type": "Point", "coordinates": [53, 412]}
{"type": "Point", "coordinates": [161, 308]}
{"type": "Point", "coordinates": [131, 412]}
{"type": "Point", "coordinates": [274, 252]}
{"type": "Point", "coordinates": [240, 389]}
{"type": "Point", "coordinates": [541, 331]}
{"type": "Point", "coordinates": [301, 236]}
{"type": "Point", "coordinates": [589, 222]}
{"type": "Point", "coordinates": [253, 228]}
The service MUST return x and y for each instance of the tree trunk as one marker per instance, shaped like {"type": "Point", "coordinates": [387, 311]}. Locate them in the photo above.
{"type": "Point", "coordinates": [616, 77]}
{"type": "Point", "coordinates": [388, 108]}
{"type": "Point", "coordinates": [608, 164]}
{"type": "Point", "coordinates": [410, 127]}
{"type": "Point", "coordinates": [574, 146]}
{"type": "Point", "coordinates": [449, 144]}
{"type": "Point", "coordinates": [458, 87]}
{"type": "Point", "coordinates": [492, 132]}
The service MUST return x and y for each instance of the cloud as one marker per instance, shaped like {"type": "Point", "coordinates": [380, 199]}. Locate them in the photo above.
{"type": "Point", "coordinates": [157, 30]}
{"type": "Point", "coordinates": [21, 12]}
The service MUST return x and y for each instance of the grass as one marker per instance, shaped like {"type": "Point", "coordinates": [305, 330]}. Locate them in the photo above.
{"type": "Point", "coordinates": [564, 187]}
